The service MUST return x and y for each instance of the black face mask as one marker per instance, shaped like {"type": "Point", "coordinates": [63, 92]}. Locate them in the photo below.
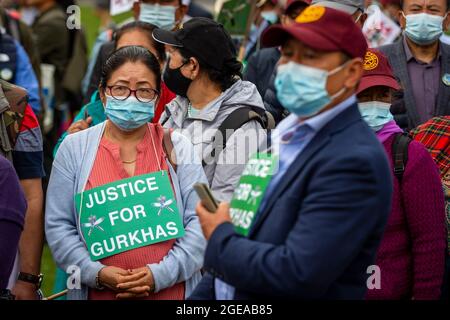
{"type": "Point", "coordinates": [175, 81]}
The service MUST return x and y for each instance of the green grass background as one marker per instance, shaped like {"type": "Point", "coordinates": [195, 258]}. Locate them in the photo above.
{"type": "Point", "coordinates": [91, 24]}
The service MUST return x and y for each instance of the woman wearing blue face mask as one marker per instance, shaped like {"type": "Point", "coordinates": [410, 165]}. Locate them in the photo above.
{"type": "Point", "coordinates": [412, 251]}
{"type": "Point", "coordinates": [110, 155]}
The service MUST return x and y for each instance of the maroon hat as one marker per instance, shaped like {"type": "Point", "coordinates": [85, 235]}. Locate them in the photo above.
{"type": "Point", "coordinates": [377, 72]}
{"type": "Point", "coordinates": [290, 3]}
{"type": "Point", "coordinates": [322, 29]}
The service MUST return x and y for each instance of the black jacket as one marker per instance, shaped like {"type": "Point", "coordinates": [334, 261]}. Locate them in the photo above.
{"type": "Point", "coordinates": [271, 102]}
{"type": "Point", "coordinates": [260, 67]}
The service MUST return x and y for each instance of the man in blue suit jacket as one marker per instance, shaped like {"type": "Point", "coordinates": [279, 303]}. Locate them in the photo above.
{"type": "Point", "coordinates": [323, 214]}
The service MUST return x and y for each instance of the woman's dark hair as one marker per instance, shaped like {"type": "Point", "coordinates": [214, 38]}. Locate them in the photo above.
{"type": "Point", "coordinates": [130, 54]}
{"type": "Point", "coordinates": [147, 28]}
{"type": "Point", "coordinates": [230, 73]}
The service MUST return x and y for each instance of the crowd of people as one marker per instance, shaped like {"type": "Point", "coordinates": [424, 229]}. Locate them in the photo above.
{"type": "Point", "coordinates": [327, 160]}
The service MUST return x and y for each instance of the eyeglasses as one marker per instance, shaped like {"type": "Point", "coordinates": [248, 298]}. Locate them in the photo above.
{"type": "Point", "coordinates": [122, 93]}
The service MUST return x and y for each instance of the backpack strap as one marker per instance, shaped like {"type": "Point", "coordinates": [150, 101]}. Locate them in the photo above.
{"type": "Point", "coordinates": [234, 121]}
{"type": "Point", "coordinates": [400, 147]}
{"type": "Point", "coordinates": [169, 148]}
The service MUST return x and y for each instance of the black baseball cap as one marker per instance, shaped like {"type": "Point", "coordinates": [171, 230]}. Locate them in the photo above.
{"type": "Point", "coordinates": [204, 38]}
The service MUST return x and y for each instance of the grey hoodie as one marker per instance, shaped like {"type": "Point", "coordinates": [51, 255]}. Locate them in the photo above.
{"type": "Point", "coordinates": [202, 126]}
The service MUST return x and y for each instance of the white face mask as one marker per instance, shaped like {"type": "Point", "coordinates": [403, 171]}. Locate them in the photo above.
{"type": "Point", "coordinates": [160, 16]}
{"type": "Point", "coordinates": [376, 114]}
{"type": "Point", "coordinates": [302, 89]}
{"type": "Point", "coordinates": [423, 28]}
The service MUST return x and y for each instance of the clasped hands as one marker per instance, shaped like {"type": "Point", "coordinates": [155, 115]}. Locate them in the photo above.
{"type": "Point", "coordinates": [128, 284]}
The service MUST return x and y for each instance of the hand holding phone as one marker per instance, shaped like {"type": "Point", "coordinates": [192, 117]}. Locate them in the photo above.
{"type": "Point", "coordinates": [205, 195]}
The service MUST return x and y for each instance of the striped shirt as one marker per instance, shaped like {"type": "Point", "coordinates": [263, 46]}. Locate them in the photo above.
{"type": "Point", "coordinates": [28, 157]}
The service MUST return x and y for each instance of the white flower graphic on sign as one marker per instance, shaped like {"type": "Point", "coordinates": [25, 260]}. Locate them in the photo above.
{"type": "Point", "coordinates": [93, 224]}
{"type": "Point", "coordinates": [163, 203]}
{"type": "Point", "coordinates": [254, 195]}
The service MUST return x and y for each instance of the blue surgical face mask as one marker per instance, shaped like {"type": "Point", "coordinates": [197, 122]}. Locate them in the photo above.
{"type": "Point", "coordinates": [423, 28]}
{"type": "Point", "coordinates": [302, 89]}
{"type": "Point", "coordinates": [129, 114]}
{"type": "Point", "coordinates": [160, 16]}
{"type": "Point", "coordinates": [270, 16]}
{"type": "Point", "coordinates": [376, 114]}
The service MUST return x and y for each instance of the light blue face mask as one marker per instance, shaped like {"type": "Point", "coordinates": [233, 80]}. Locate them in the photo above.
{"type": "Point", "coordinates": [270, 16]}
{"type": "Point", "coordinates": [129, 114]}
{"type": "Point", "coordinates": [302, 89]}
{"type": "Point", "coordinates": [161, 16]}
{"type": "Point", "coordinates": [376, 114]}
{"type": "Point", "coordinates": [423, 28]}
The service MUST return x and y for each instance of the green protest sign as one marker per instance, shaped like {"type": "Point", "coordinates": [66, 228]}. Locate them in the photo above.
{"type": "Point", "coordinates": [251, 189]}
{"type": "Point", "coordinates": [128, 214]}
{"type": "Point", "coordinates": [235, 15]}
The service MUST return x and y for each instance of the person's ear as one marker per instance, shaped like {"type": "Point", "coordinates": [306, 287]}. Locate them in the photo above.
{"type": "Point", "coordinates": [354, 73]}
{"type": "Point", "coordinates": [181, 12]}
{"type": "Point", "coordinates": [194, 67]}
{"type": "Point", "coordinates": [401, 19]}
{"type": "Point", "coordinates": [363, 19]}
{"type": "Point", "coordinates": [446, 21]}
{"type": "Point", "coordinates": [102, 94]}
{"type": "Point", "coordinates": [136, 10]}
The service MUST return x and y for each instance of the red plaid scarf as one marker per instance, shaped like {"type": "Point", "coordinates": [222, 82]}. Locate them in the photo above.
{"type": "Point", "coordinates": [435, 136]}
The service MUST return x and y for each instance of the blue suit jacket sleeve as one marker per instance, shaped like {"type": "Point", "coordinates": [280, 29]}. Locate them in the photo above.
{"type": "Point", "coordinates": [205, 289]}
{"type": "Point", "coordinates": [335, 220]}
{"type": "Point", "coordinates": [26, 78]}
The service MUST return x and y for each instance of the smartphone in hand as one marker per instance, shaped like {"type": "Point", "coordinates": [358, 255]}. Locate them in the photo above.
{"type": "Point", "coordinates": [205, 195]}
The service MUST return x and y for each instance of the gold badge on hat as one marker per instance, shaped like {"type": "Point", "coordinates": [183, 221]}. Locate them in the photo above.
{"type": "Point", "coordinates": [311, 14]}
{"type": "Point", "coordinates": [370, 61]}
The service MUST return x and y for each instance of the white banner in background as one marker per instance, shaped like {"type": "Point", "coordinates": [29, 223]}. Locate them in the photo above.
{"type": "Point", "coordinates": [379, 29]}
{"type": "Point", "coordinates": [120, 6]}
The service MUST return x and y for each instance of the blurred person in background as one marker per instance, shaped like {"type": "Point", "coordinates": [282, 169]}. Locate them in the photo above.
{"type": "Point", "coordinates": [434, 135]}
{"type": "Point", "coordinates": [15, 67]}
{"type": "Point", "coordinates": [161, 13]}
{"type": "Point", "coordinates": [102, 11]}
{"type": "Point", "coordinates": [196, 10]}
{"type": "Point", "coordinates": [21, 32]}
{"type": "Point", "coordinates": [391, 8]}
{"type": "Point", "coordinates": [267, 13]}
{"type": "Point", "coordinates": [353, 7]}
{"type": "Point", "coordinates": [411, 255]}
{"type": "Point", "coordinates": [421, 62]}
{"type": "Point", "coordinates": [261, 64]}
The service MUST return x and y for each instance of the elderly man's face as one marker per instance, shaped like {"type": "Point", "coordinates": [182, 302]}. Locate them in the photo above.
{"type": "Point", "coordinates": [348, 77]}
{"type": "Point", "coordinates": [433, 7]}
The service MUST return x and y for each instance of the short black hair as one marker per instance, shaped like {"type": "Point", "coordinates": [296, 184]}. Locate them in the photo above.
{"type": "Point", "coordinates": [130, 54]}
{"type": "Point", "coordinates": [402, 2]}
{"type": "Point", "coordinates": [147, 28]}
{"type": "Point", "coordinates": [231, 70]}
